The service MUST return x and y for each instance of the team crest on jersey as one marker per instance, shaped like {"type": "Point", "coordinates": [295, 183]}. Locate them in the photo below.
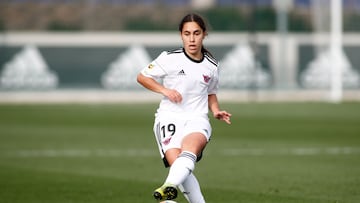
{"type": "Point", "coordinates": [206, 78]}
{"type": "Point", "coordinates": [167, 141]}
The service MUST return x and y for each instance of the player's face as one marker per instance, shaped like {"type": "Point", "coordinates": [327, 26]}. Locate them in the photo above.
{"type": "Point", "coordinates": [192, 36]}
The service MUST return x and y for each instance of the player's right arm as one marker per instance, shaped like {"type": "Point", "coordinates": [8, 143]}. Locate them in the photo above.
{"type": "Point", "coordinates": [155, 70]}
{"type": "Point", "coordinates": [153, 85]}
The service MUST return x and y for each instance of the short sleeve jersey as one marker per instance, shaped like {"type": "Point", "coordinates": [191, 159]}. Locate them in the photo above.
{"type": "Point", "coordinates": [193, 79]}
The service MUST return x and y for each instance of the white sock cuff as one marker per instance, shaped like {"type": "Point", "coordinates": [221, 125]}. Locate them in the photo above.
{"type": "Point", "coordinates": [181, 168]}
{"type": "Point", "coordinates": [188, 155]}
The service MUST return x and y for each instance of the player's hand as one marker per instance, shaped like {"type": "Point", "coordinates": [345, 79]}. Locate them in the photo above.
{"type": "Point", "coordinates": [173, 95]}
{"type": "Point", "coordinates": [223, 116]}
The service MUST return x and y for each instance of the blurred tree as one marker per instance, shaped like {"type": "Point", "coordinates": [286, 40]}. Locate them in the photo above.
{"type": "Point", "coordinates": [225, 19]}
{"type": "Point", "coordinates": [61, 26]}
{"type": "Point", "coordinates": [352, 22]}
{"type": "Point", "coordinates": [2, 25]}
{"type": "Point", "coordinates": [299, 23]}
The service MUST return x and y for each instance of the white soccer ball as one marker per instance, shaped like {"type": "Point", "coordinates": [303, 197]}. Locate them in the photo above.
{"type": "Point", "coordinates": [168, 201]}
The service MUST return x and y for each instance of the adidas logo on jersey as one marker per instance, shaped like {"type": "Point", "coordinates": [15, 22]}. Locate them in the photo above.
{"type": "Point", "coordinates": [182, 72]}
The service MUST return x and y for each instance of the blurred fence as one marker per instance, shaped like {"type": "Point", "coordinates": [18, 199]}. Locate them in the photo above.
{"type": "Point", "coordinates": [111, 60]}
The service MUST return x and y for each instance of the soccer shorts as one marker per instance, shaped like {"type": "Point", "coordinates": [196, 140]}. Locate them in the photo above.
{"type": "Point", "coordinates": [170, 130]}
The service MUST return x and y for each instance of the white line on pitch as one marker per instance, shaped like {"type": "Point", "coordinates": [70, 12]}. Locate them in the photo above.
{"type": "Point", "coordinates": [82, 153]}
{"type": "Point", "coordinates": [300, 151]}
{"type": "Point", "coordinates": [292, 151]}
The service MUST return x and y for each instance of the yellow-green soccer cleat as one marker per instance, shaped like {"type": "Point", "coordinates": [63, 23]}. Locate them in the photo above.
{"type": "Point", "coordinates": [165, 192]}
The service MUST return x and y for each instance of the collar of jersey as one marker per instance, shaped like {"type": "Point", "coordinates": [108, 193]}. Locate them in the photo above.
{"type": "Point", "coordinates": [193, 60]}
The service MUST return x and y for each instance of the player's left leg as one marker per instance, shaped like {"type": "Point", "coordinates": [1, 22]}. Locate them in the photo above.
{"type": "Point", "coordinates": [191, 190]}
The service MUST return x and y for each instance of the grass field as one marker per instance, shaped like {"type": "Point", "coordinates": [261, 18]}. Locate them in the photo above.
{"type": "Point", "coordinates": [272, 153]}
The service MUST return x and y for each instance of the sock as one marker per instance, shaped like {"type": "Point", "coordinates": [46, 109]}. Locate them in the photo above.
{"type": "Point", "coordinates": [181, 168]}
{"type": "Point", "coordinates": [191, 190]}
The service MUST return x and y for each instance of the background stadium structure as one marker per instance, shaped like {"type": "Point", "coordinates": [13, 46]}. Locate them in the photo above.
{"type": "Point", "coordinates": [262, 46]}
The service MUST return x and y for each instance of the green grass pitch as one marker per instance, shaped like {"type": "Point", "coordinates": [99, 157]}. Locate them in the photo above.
{"type": "Point", "coordinates": [272, 153]}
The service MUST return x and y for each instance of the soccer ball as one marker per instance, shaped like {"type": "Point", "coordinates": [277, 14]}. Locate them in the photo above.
{"type": "Point", "coordinates": [168, 201]}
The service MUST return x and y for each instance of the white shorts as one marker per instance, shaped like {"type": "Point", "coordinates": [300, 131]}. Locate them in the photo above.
{"type": "Point", "coordinates": [170, 130]}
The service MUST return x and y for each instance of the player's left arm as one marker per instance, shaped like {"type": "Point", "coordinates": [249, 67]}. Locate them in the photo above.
{"type": "Point", "coordinates": [215, 109]}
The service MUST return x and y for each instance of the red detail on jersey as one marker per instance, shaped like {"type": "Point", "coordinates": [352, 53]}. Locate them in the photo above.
{"type": "Point", "coordinates": [206, 78]}
{"type": "Point", "coordinates": [167, 141]}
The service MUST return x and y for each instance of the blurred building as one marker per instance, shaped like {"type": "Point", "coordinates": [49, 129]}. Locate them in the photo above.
{"type": "Point", "coordinates": [223, 15]}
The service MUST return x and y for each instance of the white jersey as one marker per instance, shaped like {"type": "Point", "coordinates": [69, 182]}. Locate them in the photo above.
{"type": "Point", "coordinates": [194, 80]}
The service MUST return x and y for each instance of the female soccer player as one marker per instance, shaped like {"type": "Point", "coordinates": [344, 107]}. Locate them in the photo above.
{"type": "Point", "coordinates": [182, 128]}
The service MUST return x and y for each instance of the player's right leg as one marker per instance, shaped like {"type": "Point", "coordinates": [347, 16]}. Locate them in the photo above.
{"type": "Point", "coordinates": [182, 166]}
{"type": "Point", "coordinates": [179, 171]}
{"type": "Point", "coordinates": [166, 192]}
